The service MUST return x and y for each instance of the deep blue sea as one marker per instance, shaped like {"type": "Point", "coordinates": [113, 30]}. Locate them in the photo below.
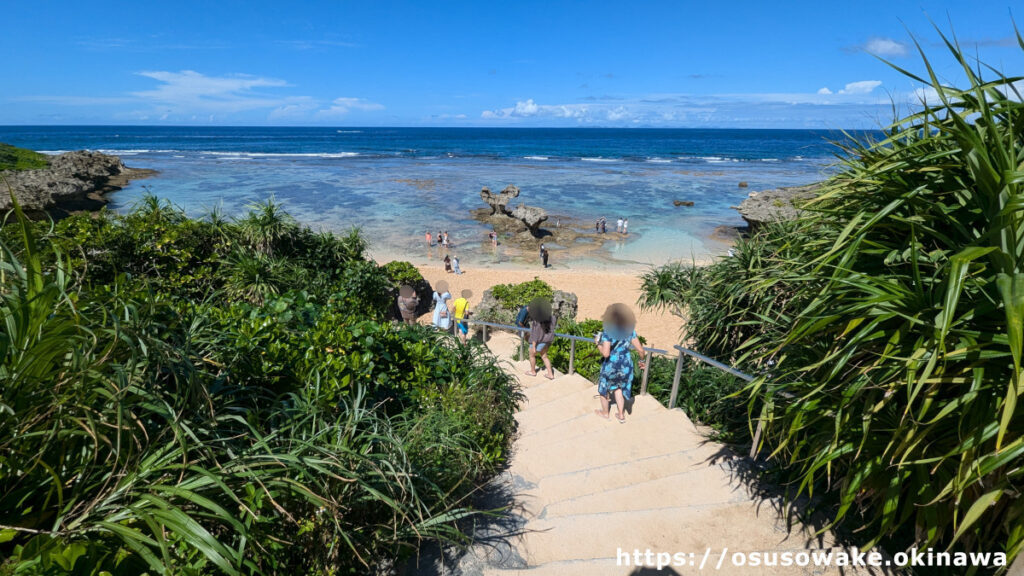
{"type": "Point", "coordinates": [395, 183]}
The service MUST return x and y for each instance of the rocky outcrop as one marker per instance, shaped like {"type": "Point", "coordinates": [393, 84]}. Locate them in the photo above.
{"type": "Point", "coordinates": [499, 201]}
{"type": "Point", "coordinates": [563, 305]}
{"type": "Point", "coordinates": [777, 204]}
{"type": "Point", "coordinates": [73, 181]}
{"type": "Point", "coordinates": [531, 216]}
{"type": "Point", "coordinates": [682, 202]}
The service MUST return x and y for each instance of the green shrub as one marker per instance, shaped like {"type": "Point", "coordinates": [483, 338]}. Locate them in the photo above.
{"type": "Point", "coordinates": [171, 402]}
{"type": "Point", "coordinates": [514, 296]}
{"type": "Point", "coordinates": [401, 272]}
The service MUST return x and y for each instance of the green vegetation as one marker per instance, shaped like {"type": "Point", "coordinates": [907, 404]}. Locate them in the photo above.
{"type": "Point", "coordinates": [514, 296]}
{"type": "Point", "coordinates": [886, 325]}
{"type": "Point", "coordinates": [402, 273]}
{"type": "Point", "coordinates": [182, 396]}
{"type": "Point", "coordinates": [13, 158]}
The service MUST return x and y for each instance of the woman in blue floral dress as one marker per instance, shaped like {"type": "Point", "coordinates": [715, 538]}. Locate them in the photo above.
{"type": "Point", "coordinates": [616, 377]}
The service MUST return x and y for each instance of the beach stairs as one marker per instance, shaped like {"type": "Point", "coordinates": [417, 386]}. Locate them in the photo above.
{"type": "Point", "coordinates": [584, 490]}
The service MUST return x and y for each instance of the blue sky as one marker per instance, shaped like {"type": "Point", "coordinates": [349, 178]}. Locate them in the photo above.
{"type": "Point", "coordinates": [737, 63]}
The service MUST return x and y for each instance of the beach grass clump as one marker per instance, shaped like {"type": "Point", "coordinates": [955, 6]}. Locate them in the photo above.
{"type": "Point", "coordinates": [155, 419]}
{"type": "Point", "coordinates": [14, 158]}
{"type": "Point", "coordinates": [885, 324]}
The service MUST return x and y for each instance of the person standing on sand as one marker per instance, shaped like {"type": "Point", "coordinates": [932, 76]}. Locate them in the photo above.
{"type": "Point", "coordinates": [494, 239]}
{"type": "Point", "coordinates": [408, 301]}
{"type": "Point", "coordinates": [542, 334]}
{"type": "Point", "coordinates": [544, 257]}
{"type": "Point", "coordinates": [618, 225]}
{"type": "Point", "coordinates": [455, 265]}
{"type": "Point", "coordinates": [604, 226]}
{"type": "Point", "coordinates": [616, 378]}
{"type": "Point", "coordinates": [442, 316]}
{"type": "Point", "coordinates": [461, 313]}
{"type": "Point", "coordinates": [447, 263]}
{"type": "Point", "coordinates": [625, 226]}
{"type": "Point", "coordinates": [541, 253]}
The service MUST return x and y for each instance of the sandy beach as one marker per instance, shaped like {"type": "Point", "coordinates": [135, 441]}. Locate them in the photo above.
{"type": "Point", "coordinates": [596, 289]}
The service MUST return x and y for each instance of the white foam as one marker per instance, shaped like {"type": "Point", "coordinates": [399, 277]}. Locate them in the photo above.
{"type": "Point", "coordinates": [251, 155]}
{"type": "Point", "coordinates": [659, 161]}
{"type": "Point", "coordinates": [535, 157]}
{"type": "Point", "coordinates": [599, 159]}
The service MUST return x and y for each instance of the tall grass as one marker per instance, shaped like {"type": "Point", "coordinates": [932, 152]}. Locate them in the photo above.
{"type": "Point", "coordinates": [886, 324]}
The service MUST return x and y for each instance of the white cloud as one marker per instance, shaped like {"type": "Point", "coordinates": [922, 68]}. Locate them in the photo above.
{"type": "Point", "coordinates": [824, 91]}
{"type": "Point", "coordinates": [194, 89]}
{"type": "Point", "coordinates": [193, 96]}
{"type": "Point", "coordinates": [884, 47]}
{"type": "Point", "coordinates": [342, 106]}
{"type": "Point", "coordinates": [861, 87]}
{"type": "Point", "coordinates": [530, 109]}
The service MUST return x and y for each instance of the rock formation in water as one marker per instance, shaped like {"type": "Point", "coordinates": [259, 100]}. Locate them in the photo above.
{"type": "Point", "coordinates": [73, 181]}
{"type": "Point", "coordinates": [531, 216]}
{"type": "Point", "coordinates": [777, 204]}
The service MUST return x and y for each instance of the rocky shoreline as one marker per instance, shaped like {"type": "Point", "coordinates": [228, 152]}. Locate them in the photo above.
{"type": "Point", "coordinates": [72, 182]}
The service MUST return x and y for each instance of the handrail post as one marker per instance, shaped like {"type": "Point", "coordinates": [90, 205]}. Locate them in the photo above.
{"type": "Point", "coordinates": [522, 345]}
{"type": "Point", "coordinates": [485, 333]}
{"type": "Point", "coordinates": [675, 381]}
{"type": "Point", "coordinates": [572, 356]}
{"type": "Point", "coordinates": [647, 371]}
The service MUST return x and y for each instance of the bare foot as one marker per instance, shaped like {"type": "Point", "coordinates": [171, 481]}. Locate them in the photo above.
{"type": "Point", "coordinates": [601, 414]}
{"type": "Point", "coordinates": [531, 373]}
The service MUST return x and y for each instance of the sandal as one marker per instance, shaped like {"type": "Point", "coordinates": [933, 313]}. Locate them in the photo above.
{"type": "Point", "coordinates": [531, 373]}
{"type": "Point", "coordinates": [621, 419]}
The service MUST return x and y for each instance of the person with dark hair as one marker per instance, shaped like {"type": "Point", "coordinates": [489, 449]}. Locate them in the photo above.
{"type": "Point", "coordinates": [408, 301]}
{"type": "Point", "coordinates": [544, 257]}
{"type": "Point", "coordinates": [447, 263]}
{"type": "Point", "coordinates": [616, 378]}
{"type": "Point", "coordinates": [542, 334]}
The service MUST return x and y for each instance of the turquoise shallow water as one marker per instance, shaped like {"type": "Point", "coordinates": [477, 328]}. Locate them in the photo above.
{"type": "Point", "coordinates": [395, 183]}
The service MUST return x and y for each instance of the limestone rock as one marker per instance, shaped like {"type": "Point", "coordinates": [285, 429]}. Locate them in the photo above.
{"type": "Point", "coordinates": [532, 216]}
{"type": "Point", "coordinates": [72, 181]}
{"type": "Point", "coordinates": [499, 201]}
{"type": "Point", "coordinates": [564, 304]}
{"type": "Point", "coordinates": [743, 184]}
{"type": "Point", "coordinates": [682, 202]}
{"type": "Point", "coordinates": [777, 204]}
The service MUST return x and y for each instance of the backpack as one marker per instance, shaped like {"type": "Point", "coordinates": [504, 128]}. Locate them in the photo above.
{"type": "Point", "coordinates": [523, 317]}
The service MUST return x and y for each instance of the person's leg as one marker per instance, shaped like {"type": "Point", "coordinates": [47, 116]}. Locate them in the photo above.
{"type": "Point", "coordinates": [547, 362]}
{"type": "Point", "coordinates": [605, 409]}
{"type": "Point", "coordinates": [533, 360]}
{"type": "Point", "coordinates": [620, 404]}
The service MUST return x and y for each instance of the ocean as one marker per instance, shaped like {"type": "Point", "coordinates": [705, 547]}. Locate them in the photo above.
{"type": "Point", "coordinates": [396, 183]}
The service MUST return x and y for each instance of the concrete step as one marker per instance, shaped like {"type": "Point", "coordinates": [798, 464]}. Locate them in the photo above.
{"type": "Point", "coordinates": [696, 487]}
{"type": "Point", "coordinates": [574, 484]}
{"type": "Point", "coordinates": [746, 526]}
{"type": "Point", "coordinates": [649, 421]}
{"type": "Point", "coordinates": [540, 394]}
{"type": "Point", "coordinates": [614, 444]}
